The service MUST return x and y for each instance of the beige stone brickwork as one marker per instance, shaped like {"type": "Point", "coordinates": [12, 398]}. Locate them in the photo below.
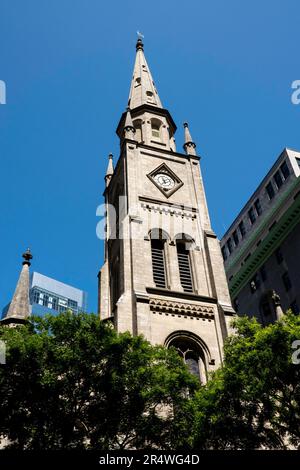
{"type": "Point", "coordinates": [169, 315]}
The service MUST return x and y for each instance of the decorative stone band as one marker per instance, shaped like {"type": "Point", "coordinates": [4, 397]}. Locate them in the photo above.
{"type": "Point", "coordinates": [168, 210]}
{"type": "Point", "coordinates": [181, 308]}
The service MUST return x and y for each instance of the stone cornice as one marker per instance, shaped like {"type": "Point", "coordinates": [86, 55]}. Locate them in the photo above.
{"type": "Point", "coordinates": [273, 240]}
{"type": "Point", "coordinates": [169, 204]}
{"type": "Point", "coordinates": [239, 255]}
{"type": "Point", "coordinates": [158, 207]}
{"type": "Point", "coordinates": [170, 307]}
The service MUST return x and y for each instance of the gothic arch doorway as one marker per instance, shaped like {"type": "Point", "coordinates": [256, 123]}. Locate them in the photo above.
{"type": "Point", "coordinates": [193, 351]}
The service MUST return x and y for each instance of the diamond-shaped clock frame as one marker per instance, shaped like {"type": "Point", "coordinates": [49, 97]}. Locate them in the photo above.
{"type": "Point", "coordinates": [163, 168]}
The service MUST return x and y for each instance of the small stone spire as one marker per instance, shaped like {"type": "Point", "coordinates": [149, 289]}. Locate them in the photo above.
{"type": "Point", "coordinates": [142, 90]}
{"type": "Point", "coordinates": [129, 129]}
{"type": "Point", "coordinates": [110, 169]}
{"type": "Point", "coordinates": [189, 145]}
{"type": "Point", "coordinates": [19, 309]}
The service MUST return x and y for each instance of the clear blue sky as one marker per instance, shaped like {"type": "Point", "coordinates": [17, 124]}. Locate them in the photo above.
{"type": "Point", "coordinates": [224, 66]}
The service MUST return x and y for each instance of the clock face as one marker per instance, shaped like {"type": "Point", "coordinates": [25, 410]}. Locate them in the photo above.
{"type": "Point", "coordinates": [165, 181]}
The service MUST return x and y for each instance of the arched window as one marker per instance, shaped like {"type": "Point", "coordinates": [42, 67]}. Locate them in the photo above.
{"type": "Point", "coordinates": [156, 129]}
{"type": "Point", "coordinates": [158, 240]}
{"type": "Point", "coordinates": [183, 246]}
{"type": "Point", "coordinates": [192, 354]}
{"type": "Point", "coordinates": [138, 130]}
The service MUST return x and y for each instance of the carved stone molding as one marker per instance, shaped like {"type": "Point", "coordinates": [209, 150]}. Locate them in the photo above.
{"type": "Point", "coordinates": [180, 308]}
{"type": "Point", "coordinates": [168, 211]}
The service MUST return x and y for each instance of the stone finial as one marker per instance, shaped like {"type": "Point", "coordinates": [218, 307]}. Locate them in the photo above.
{"type": "Point", "coordinates": [189, 145]}
{"type": "Point", "coordinates": [139, 45]}
{"type": "Point", "coordinates": [27, 257]}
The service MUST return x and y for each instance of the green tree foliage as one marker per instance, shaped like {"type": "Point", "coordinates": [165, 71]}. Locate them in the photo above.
{"type": "Point", "coordinates": [71, 382]}
{"type": "Point", "coordinates": [254, 400]}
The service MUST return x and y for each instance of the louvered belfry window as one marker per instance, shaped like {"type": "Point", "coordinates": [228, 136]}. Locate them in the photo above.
{"type": "Point", "coordinates": [184, 265]}
{"type": "Point", "coordinates": [158, 263]}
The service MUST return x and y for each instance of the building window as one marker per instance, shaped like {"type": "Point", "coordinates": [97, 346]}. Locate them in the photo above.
{"type": "Point", "coordinates": [286, 281]}
{"type": "Point", "coordinates": [235, 238]}
{"type": "Point", "coordinates": [192, 355]}
{"type": "Point", "coordinates": [270, 190]}
{"type": "Point", "coordinates": [257, 206]}
{"type": "Point", "coordinates": [279, 255]}
{"type": "Point", "coordinates": [55, 303]}
{"type": "Point", "coordinates": [251, 215]}
{"type": "Point", "coordinates": [236, 304]}
{"type": "Point", "coordinates": [278, 179]}
{"type": "Point", "coordinates": [184, 264]}
{"type": "Point", "coordinates": [242, 229]}
{"type": "Point", "coordinates": [263, 273]}
{"type": "Point", "coordinates": [45, 300]}
{"type": "Point", "coordinates": [35, 296]}
{"type": "Point", "coordinates": [155, 129]}
{"type": "Point", "coordinates": [254, 284]}
{"type": "Point", "coordinates": [224, 253]}
{"type": "Point", "coordinates": [298, 161]}
{"type": "Point", "coordinates": [229, 245]}
{"type": "Point", "coordinates": [138, 130]}
{"type": "Point", "coordinates": [285, 170]}
{"type": "Point", "coordinates": [294, 307]}
{"type": "Point", "coordinates": [73, 305]}
{"type": "Point", "coordinates": [158, 262]}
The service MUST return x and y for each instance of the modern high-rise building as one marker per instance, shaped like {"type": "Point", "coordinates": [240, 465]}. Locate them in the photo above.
{"type": "Point", "coordinates": [163, 274]}
{"type": "Point", "coordinates": [47, 295]}
{"type": "Point", "coordinates": [261, 248]}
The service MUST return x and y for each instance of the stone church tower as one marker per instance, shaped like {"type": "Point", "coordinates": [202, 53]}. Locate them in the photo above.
{"type": "Point", "coordinates": [163, 274]}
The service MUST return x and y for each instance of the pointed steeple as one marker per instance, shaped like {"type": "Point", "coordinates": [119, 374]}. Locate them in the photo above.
{"type": "Point", "coordinates": [129, 129]}
{"type": "Point", "coordinates": [189, 145]}
{"type": "Point", "coordinates": [110, 169]}
{"type": "Point", "coordinates": [142, 90]}
{"type": "Point", "coordinates": [19, 309]}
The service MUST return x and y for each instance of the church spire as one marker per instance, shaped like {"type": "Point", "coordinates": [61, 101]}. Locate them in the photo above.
{"type": "Point", "coordinates": [189, 145]}
{"type": "Point", "coordinates": [19, 309]}
{"type": "Point", "coordinates": [142, 90]}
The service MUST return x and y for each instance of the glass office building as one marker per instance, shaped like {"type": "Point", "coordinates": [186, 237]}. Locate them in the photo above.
{"type": "Point", "coordinates": [48, 295]}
